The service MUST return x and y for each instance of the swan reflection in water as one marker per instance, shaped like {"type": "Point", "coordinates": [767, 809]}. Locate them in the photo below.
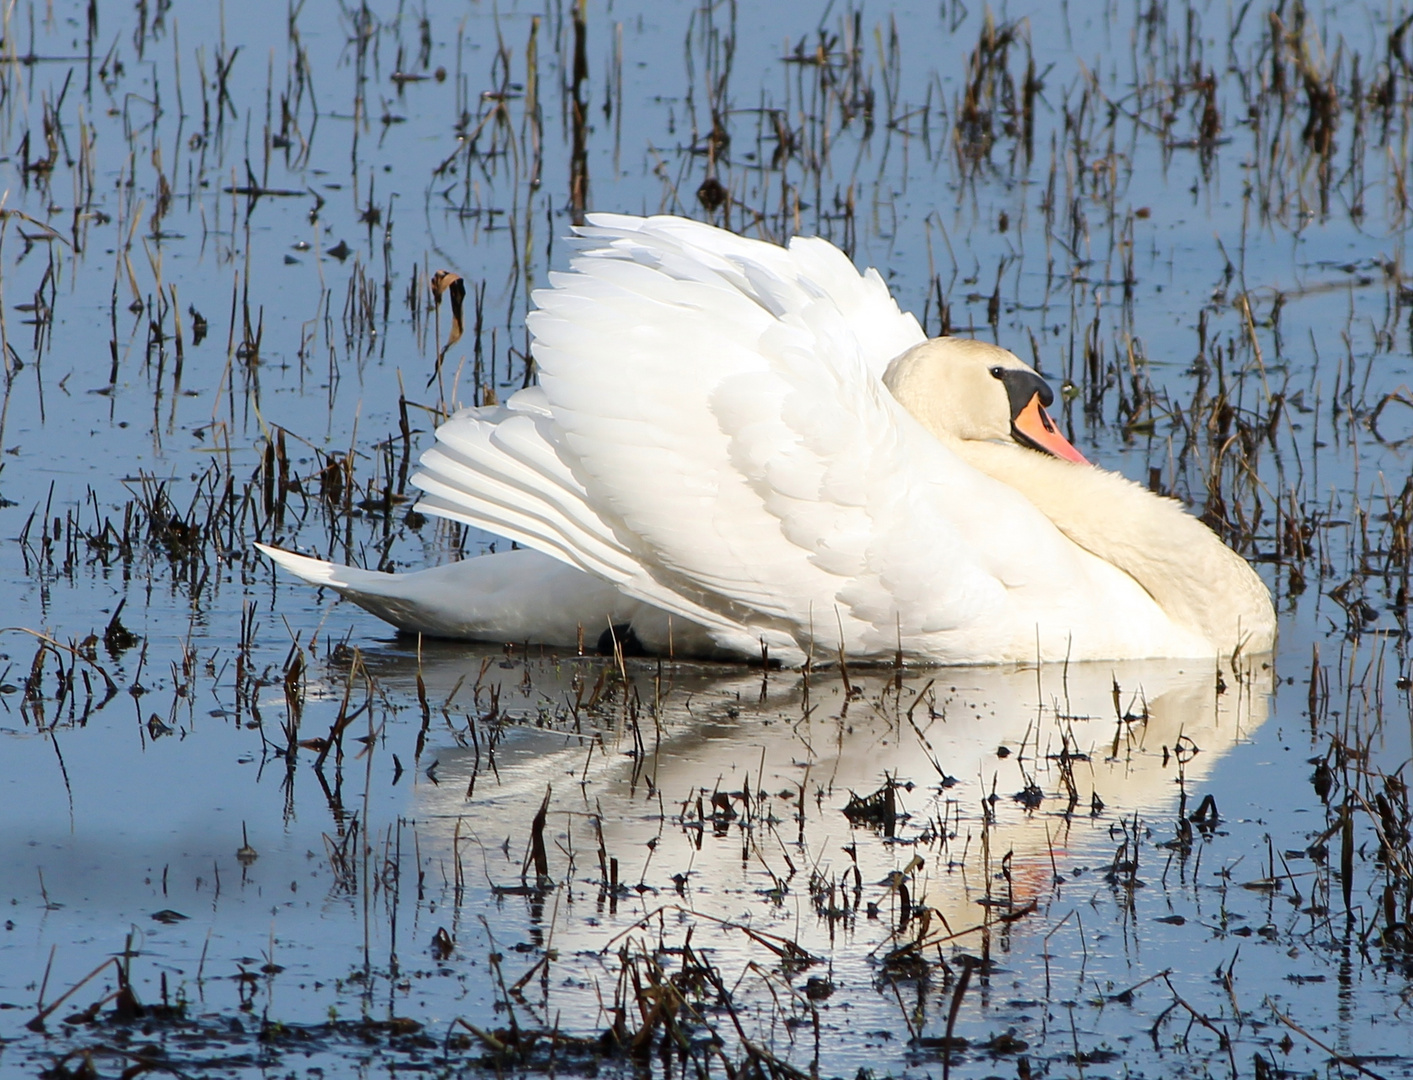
{"type": "Point", "coordinates": [722, 791]}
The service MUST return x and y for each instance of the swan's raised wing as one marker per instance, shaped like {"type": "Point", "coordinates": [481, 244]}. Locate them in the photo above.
{"type": "Point", "coordinates": [719, 401]}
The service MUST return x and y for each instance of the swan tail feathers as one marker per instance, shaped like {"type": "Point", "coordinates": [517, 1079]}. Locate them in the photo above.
{"type": "Point", "coordinates": [506, 596]}
{"type": "Point", "coordinates": [317, 571]}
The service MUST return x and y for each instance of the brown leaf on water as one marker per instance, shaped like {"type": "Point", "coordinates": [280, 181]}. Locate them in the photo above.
{"type": "Point", "coordinates": [444, 281]}
{"type": "Point", "coordinates": [443, 944]}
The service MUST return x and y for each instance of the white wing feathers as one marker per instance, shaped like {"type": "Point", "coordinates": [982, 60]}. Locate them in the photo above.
{"type": "Point", "coordinates": [780, 279]}
{"type": "Point", "coordinates": [709, 407]}
{"type": "Point", "coordinates": [496, 468]}
{"type": "Point", "coordinates": [501, 453]}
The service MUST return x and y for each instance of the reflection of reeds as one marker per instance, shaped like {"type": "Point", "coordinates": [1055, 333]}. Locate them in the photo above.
{"type": "Point", "coordinates": [675, 994]}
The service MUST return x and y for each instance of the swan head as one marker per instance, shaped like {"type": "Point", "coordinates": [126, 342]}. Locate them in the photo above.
{"type": "Point", "coordinates": [960, 388]}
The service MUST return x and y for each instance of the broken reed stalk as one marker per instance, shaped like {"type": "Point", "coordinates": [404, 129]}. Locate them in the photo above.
{"type": "Point", "coordinates": [967, 963]}
{"type": "Point", "coordinates": [536, 855]}
{"type": "Point", "coordinates": [36, 1023]}
{"type": "Point", "coordinates": [1335, 1055]}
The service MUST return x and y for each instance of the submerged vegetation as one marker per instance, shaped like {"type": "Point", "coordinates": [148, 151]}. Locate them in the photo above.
{"type": "Point", "coordinates": [248, 263]}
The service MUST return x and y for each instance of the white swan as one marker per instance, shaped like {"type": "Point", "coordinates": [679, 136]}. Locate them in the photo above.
{"type": "Point", "coordinates": [738, 447]}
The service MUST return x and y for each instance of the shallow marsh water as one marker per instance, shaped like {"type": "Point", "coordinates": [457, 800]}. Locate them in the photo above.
{"type": "Point", "coordinates": [1191, 218]}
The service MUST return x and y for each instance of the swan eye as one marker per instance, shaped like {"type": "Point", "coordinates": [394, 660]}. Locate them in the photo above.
{"type": "Point", "coordinates": [998, 372]}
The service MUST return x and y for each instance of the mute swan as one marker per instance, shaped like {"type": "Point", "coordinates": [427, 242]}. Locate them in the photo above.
{"type": "Point", "coordinates": [737, 448]}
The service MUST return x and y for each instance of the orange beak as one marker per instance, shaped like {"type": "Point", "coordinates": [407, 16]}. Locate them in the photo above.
{"type": "Point", "coordinates": [1033, 426]}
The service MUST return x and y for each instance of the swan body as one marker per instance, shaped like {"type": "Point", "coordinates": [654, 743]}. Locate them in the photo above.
{"type": "Point", "coordinates": [737, 447]}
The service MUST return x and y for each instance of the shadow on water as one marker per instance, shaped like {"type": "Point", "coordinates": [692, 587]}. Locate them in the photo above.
{"type": "Point", "coordinates": [241, 831]}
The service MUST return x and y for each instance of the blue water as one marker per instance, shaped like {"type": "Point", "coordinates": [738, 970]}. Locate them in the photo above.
{"type": "Point", "coordinates": [107, 818]}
